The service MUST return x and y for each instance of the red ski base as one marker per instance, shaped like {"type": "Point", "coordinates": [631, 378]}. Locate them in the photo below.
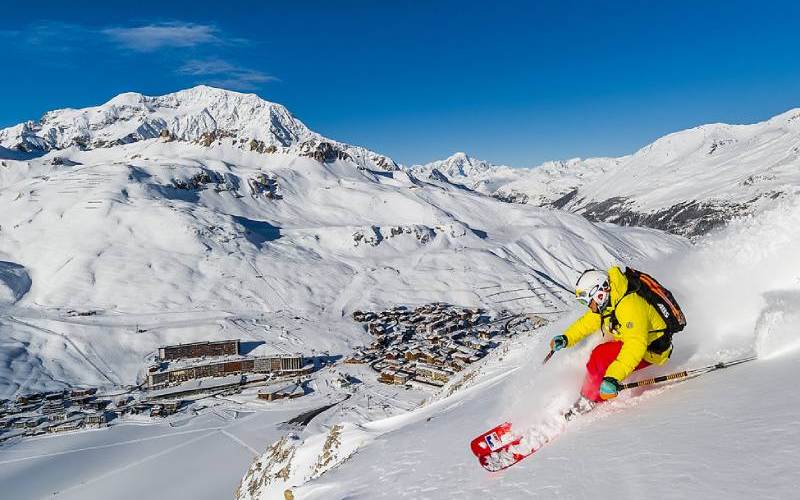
{"type": "Point", "coordinates": [494, 448]}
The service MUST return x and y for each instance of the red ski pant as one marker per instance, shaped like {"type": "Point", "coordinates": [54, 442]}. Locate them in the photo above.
{"type": "Point", "coordinates": [602, 356]}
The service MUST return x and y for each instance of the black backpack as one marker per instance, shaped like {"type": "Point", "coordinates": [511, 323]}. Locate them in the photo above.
{"type": "Point", "coordinates": [662, 300]}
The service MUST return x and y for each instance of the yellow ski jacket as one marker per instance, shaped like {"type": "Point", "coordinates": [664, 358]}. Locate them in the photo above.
{"type": "Point", "coordinates": [638, 326]}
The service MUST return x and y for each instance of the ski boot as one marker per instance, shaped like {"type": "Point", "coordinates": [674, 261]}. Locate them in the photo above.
{"type": "Point", "coordinates": [581, 407]}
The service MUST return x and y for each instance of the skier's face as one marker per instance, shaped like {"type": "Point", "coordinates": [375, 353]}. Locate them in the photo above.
{"type": "Point", "coordinates": [593, 306]}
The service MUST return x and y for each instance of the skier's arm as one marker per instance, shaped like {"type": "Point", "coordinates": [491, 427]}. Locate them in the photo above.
{"type": "Point", "coordinates": [633, 328]}
{"type": "Point", "coordinates": [582, 327]}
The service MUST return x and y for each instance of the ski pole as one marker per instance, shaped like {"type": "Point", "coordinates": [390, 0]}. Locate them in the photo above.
{"type": "Point", "coordinates": [549, 355]}
{"type": "Point", "coordinates": [686, 374]}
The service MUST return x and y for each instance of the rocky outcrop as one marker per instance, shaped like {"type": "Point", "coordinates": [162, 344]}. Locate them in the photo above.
{"type": "Point", "coordinates": [261, 147]}
{"type": "Point", "coordinates": [208, 138]}
{"type": "Point", "coordinates": [375, 235]}
{"type": "Point", "coordinates": [322, 151]}
{"type": "Point", "coordinates": [264, 185]}
{"type": "Point", "coordinates": [690, 218]}
{"type": "Point", "coordinates": [198, 181]}
{"type": "Point", "coordinates": [511, 197]}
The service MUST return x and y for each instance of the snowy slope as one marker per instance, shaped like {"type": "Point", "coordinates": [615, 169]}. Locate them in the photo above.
{"type": "Point", "coordinates": [208, 214]}
{"type": "Point", "coordinates": [728, 434]}
{"type": "Point", "coordinates": [688, 182]}
{"type": "Point", "coordinates": [181, 239]}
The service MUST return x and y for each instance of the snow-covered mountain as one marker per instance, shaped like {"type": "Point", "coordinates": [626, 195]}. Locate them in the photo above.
{"type": "Point", "coordinates": [127, 208]}
{"type": "Point", "coordinates": [457, 166]}
{"type": "Point", "coordinates": [204, 115]}
{"type": "Point", "coordinates": [688, 182]}
{"type": "Point", "coordinates": [207, 214]}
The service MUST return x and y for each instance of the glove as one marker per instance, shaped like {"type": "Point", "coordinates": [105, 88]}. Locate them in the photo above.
{"type": "Point", "coordinates": [609, 388]}
{"type": "Point", "coordinates": [558, 342]}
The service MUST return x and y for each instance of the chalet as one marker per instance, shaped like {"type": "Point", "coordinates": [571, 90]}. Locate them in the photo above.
{"type": "Point", "coordinates": [427, 356]}
{"type": "Point", "coordinates": [448, 348]}
{"type": "Point", "coordinates": [467, 350]}
{"type": "Point", "coordinates": [440, 360]}
{"type": "Point", "coordinates": [392, 354]}
{"type": "Point", "coordinates": [53, 407]}
{"type": "Point", "coordinates": [416, 318]}
{"type": "Point", "coordinates": [387, 376]}
{"type": "Point", "coordinates": [434, 326]}
{"type": "Point", "coordinates": [8, 422]}
{"type": "Point", "coordinates": [413, 354]}
{"type": "Point", "coordinates": [66, 426]}
{"type": "Point", "coordinates": [432, 373]}
{"type": "Point", "coordinates": [486, 334]}
{"type": "Point", "coordinates": [402, 377]}
{"type": "Point", "coordinates": [394, 363]}
{"type": "Point", "coordinates": [140, 408]}
{"type": "Point", "coordinates": [35, 421]}
{"type": "Point", "coordinates": [82, 392]}
{"type": "Point", "coordinates": [96, 420]}
{"type": "Point", "coordinates": [462, 357]}
{"type": "Point", "coordinates": [54, 397]}
{"type": "Point", "coordinates": [82, 400]}
{"type": "Point", "coordinates": [20, 423]}
{"type": "Point", "coordinates": [474, 343]}
{"type": "Point", "coordinates": [29, 398]}
{"type": "Point", "coordinates": [457, 364]}
{"type": "Point", "coordinates": [57, 417]}
{"type": "Point", "coordinates": [457, 335]}
{"type": "Point", "coordinates": [97, 404]}
{"type": "Point", "coordinates": [171, 407]}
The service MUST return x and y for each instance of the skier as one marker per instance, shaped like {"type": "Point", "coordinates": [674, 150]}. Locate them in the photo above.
{"type": "Point", "coordinates": [636, 335]}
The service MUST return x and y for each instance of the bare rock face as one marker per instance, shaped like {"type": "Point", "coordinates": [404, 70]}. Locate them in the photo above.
{"type": "Point", "coordinates": [198, 181]}
{"type": "Point", "coordinates": [323, 152]}
{"type": "Point", "coordinates": [375, 235]}
{"type": "Point", "coordinates": [209, 138]}
{"type": "Point", "coordinates": [166, 136]}
{"type": "Point", "coordinates": [261, 147]}
{"type": "Point", "coordinates": [690, 218]}
{"type": "Point", "coordinates": [511, 197]}
{"type": "Point", "coordinates": [264, 185]}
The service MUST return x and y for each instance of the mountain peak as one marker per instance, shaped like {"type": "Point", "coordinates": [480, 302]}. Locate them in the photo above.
{"type": "Point", "coordinates": [458, 164]}
{"type": "Point", "coordinates": [201, 114]}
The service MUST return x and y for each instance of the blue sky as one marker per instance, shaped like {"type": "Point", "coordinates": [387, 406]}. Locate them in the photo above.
{"type": "Point", "coordinates": [511, 82]}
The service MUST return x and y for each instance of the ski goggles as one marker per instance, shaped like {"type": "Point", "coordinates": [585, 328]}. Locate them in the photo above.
{"type": "Point", "coordinates": [583, 297]}
{"type": "Point", "coordinates": [586, 296]}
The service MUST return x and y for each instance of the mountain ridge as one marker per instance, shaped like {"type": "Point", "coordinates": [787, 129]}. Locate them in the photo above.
{"type": "Point", "coordinates": [200, 114]}
{"type": "Point", "coordinates": [688, 182]}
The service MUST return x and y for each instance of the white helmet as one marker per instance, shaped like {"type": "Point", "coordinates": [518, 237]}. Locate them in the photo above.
{"type": "Point", "coordinates": [593, 285]}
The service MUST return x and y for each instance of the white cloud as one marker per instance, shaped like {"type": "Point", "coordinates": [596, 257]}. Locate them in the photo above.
{"type": "Point", "coordinates": [219, 73]}
{"type": "Point", "coordinates": [165, 35]}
